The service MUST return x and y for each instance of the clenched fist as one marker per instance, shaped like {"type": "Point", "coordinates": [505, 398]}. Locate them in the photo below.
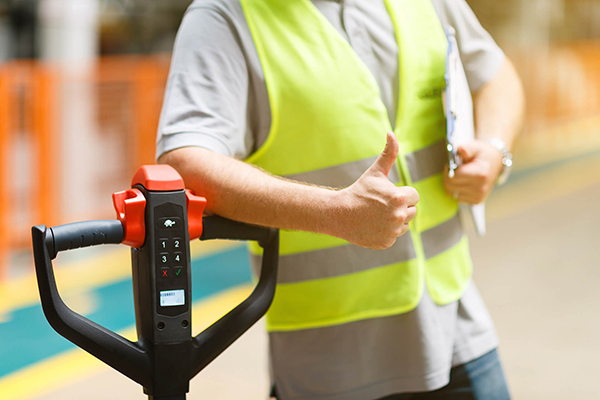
{"type": "Point", "coordinates": [475, 178]}
{"type": "Point", "coordinates": [374, 211]}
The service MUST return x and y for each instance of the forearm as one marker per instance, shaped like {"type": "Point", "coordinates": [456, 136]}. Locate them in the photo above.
{"type": "Point", "coordinates": [499, 106]}
{"type": "Point", "coordinates": [242, 192]}
{"type": "Point", "coordinates": [499, 111]}
{"type": "Point", "coordinates": [371, 212]}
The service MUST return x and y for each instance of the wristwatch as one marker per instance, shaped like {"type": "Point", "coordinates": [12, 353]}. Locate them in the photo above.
{"type": "Point", "coordinates": [506, 159]}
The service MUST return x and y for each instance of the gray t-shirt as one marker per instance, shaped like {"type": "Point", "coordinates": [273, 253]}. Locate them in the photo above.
{"type": "Point", "coordinates": [216, 98]}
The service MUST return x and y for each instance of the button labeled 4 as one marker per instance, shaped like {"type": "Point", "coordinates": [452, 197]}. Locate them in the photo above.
{"type": "Point", "coordinates": [177, 257]}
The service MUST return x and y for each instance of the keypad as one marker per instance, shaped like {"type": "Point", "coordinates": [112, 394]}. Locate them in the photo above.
{"type": "Point", "coordinates": [171, 252]}
{"type": "Point", "coordinates": [171, 259]}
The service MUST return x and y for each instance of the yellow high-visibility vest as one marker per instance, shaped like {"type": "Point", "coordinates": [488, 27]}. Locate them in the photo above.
{"type": "Point", "coordinates": [328, 126]}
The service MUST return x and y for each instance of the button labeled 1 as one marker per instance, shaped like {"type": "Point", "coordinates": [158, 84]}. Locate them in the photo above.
{"type": "Point", "coordinates": [163, 243]}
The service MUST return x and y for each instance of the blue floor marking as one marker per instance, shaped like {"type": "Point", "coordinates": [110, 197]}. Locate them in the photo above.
{"type": "Point", "coordinates": [27, 337]}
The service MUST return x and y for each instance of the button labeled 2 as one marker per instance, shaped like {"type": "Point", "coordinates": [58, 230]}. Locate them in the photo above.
{"type": "Point", "coordinates": [176, 243]}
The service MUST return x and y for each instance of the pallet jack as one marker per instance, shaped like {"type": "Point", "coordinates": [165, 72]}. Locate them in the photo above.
{"type": "Point", "coordinates": [157, 217]}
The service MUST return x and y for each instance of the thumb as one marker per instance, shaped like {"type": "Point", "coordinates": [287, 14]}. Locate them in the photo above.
{"type": "Point", "coordinates": [387, 158]}
{"type": "Point", "coordinates": [467, 151]}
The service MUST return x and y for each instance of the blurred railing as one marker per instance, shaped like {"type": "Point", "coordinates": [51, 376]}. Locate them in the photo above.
{"type": "Point", "coordinates": [126, 97]}
{"type": "Point", "coordinates": [27, 115]}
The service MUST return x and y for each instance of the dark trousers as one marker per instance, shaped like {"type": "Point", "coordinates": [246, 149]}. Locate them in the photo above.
{"type": "Point", "coordinates": [479, 379]}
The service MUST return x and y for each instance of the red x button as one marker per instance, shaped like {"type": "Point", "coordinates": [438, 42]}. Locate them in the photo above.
{"type": "Point", "coordinates": [165, 272]}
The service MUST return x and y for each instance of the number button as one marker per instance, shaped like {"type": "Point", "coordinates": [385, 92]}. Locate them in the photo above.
{"type": "Point", "coordinates": [163, 244]}
{"type": "Point", "coordinates": [177, 257]}
{"type": "Point", "coordinates": [176, 243]}
{"type": "Point", "coordinates": [164, 258]}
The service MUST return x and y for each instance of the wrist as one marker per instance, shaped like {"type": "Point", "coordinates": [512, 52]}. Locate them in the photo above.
{"type": "Point", "coordinates": [335, 211]}
{"type": "Point", "coordinates": [506, 161]}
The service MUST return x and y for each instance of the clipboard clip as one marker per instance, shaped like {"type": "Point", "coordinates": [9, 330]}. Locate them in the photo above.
{"type": "Point", "coordinates": [453, 160]}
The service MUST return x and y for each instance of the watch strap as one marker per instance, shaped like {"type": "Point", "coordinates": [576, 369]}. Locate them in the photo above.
{"type": "Point", "coordinates": [507, 159]}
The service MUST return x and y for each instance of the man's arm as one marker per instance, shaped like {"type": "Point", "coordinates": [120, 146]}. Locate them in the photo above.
{"type": "Point", "coordinates": [499, 108]}
{"type": "Point", "coordinates": [371, 213]}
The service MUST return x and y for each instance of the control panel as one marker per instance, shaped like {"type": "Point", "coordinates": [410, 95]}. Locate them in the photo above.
{"type": "Point", "coordinates": [161, 269]}
{"type": "Point", "coordinates": [172, 260]}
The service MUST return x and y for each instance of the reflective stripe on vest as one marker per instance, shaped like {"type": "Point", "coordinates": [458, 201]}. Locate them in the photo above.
{"type": "Point", "coordinates": [328, 126]}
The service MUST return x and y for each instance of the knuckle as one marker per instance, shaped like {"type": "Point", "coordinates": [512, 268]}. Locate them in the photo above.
{"type": "Point", "coordinates": [400, 215]}
{"type": "Point", "coordinates": [399, 197]}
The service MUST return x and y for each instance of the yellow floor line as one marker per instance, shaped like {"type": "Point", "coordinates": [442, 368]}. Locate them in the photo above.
{"type": "Point", "coordinates": [76, 365]}
{"type": "Point", "coordinates": [83, 276]}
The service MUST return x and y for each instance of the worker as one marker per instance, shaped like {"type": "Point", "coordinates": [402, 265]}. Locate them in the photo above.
{"type": "Point", "coordinates": [325, 118]}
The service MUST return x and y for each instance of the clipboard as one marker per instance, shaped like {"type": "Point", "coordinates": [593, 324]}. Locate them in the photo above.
{"type": "Point", "coordinates": [460, 128]}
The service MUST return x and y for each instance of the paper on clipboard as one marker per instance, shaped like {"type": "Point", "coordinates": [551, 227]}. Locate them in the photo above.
{"type": "Point", "coordinates": [459, 117]}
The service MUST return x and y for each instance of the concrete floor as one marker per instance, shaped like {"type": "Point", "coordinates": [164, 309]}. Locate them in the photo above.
{"type": "Point", "coordinates": [537, 269]}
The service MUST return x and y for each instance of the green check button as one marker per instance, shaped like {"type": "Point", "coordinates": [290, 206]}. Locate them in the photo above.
{"type": "Point", "coordinates": [178, 272]}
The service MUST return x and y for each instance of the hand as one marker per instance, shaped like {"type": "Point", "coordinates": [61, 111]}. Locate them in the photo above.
{"type": "Point", "coordinates": [475, 178]}
{"type": "Point", "coordinates": [374, 211]}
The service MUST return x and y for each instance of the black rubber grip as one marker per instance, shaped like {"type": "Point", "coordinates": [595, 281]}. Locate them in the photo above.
{"type": "Point", "coordinates": [83, 234]}
{"type": "Point", "coordinates": [216, 227]}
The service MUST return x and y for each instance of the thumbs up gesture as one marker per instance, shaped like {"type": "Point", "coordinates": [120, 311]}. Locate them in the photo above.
{"type": "Point", "coordinates": [376, 211]}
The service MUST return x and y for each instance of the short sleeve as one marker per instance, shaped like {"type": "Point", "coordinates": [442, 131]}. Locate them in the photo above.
{"type": "Point", "coordinates": [207, 90]}
{"type": "Point", "coordinates": [480, 55]}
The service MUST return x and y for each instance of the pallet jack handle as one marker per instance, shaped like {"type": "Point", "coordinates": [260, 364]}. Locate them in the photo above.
{"type": "Point", "coordinates": [136, 359]}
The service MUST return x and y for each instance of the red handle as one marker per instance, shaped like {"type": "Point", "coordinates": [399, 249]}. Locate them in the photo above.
{"type": "Point", "coordinates": [130, 205]}
{"type": "Point", "coordinates": [195, 209]}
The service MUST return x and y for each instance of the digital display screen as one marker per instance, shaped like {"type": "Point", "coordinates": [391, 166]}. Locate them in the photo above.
{"type": "Point", "coordinates": [170, 298]}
